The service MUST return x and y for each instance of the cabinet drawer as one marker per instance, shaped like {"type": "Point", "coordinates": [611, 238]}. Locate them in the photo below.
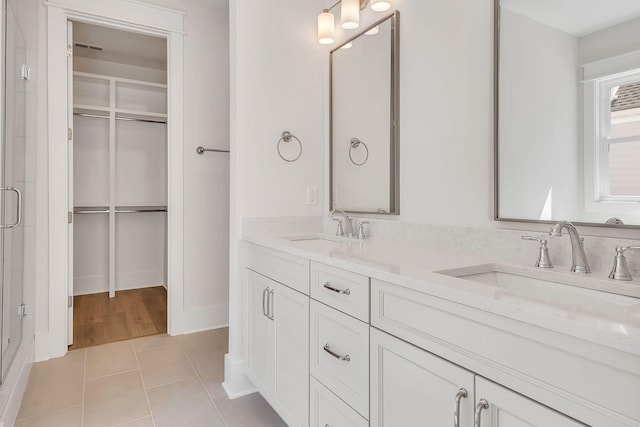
{"type": "Point", "coordinates": [287, 269]}
{"type": "Point", "coordinates": [328, 410]}
{"type": "Point", "coordinates": [341, 289]}
{"type": "Point", "coordinates": [339, 352]}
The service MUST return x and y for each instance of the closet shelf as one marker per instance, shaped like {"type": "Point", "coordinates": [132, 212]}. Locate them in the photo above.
{"type": "Point", "coordinates": [90, 109]}
{"type": "Point", "coordinates": [90, 209]}
{"type": "Point", "coordinates": [119, 79]}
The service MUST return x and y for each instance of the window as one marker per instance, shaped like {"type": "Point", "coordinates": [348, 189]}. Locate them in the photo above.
{"type": "Point", "coordinates": [618, 138]}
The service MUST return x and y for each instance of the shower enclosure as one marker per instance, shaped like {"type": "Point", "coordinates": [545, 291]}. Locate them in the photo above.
{"type": "Point", "coordinates": [16, 188]}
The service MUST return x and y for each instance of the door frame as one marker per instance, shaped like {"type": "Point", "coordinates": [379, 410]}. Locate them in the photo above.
{"type": "Point", "coordinates": [129, 15]}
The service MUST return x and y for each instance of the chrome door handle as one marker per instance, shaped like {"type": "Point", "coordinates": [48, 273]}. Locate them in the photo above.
{"type": "Point", "coordinates": [264, 302]}
{"type": "Point", "coordinates": [346, 357]}
{"type": "Point", "coordinates": [18, 208]}
{"type": "Point", "coordinates": [482, 404]}
{"type": "Point", "coordinates": [270, 304]}
{"type": "Point", "coordinates": [339, 291]}
{"type": "Point", "coordinates": [461, 394]}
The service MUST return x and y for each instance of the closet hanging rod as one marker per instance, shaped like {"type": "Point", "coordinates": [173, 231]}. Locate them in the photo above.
{"type": "Point", "coordinates": [90, 211]}
{"type": "Point", "coordinates": [201, 150]}
{"type": "Point", "coordinates": [140, 210]}
{"type": "Point", "coordinates": [129, 119]}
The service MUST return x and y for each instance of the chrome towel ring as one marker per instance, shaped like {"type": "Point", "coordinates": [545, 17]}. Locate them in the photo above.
{"type": "Point", "coordinates": [355, 143]}
{"type": "Point", "coordinates": [286, 136]}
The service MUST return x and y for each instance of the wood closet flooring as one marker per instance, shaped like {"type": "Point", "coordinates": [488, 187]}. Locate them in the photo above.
{"type": "Point", "coordinates": [98, 319]}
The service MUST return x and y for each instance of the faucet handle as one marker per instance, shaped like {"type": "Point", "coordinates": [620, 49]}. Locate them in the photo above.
{"type": "Point", "coordinates": [361, 234]}
{"type": "Point", "coordinates": [620, 271]}
{"type": "Point", "coordinates": [544, 261]}
{"type": "Point", "coordinates": [339, 231]}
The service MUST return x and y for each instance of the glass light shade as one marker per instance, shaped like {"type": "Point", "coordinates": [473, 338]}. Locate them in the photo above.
{"type": "Point", "coordinates": [373, 31]}
{"type": "Point", "coordinates": [326, 27]}
{"type": "Point", "coordinates": [347, 45]}
{"type": "Point", "coordinates": [380, 5]}
{"type": "Point", "coordinates": [350, 14]}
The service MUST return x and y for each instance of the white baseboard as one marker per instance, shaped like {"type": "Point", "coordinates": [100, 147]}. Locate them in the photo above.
{"type": "Point", "coordinates": [201, 319]}
{"type": "Point", "coordinates": [124, 281]}
{"type": "Point", "coordinates": [236, 384]}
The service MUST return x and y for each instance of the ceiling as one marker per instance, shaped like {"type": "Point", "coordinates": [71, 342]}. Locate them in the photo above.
{"type": "Point", "coordinates": [577, 17]}
{"type": "Point", "coordinates": [120, 46]}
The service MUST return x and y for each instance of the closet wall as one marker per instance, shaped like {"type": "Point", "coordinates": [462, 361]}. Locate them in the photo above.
{"type": "Point", "coordinates": [119, 160]}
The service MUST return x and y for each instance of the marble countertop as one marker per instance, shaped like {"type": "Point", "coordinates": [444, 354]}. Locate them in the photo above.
{"type": "Point", "coordinates": [588, 307]}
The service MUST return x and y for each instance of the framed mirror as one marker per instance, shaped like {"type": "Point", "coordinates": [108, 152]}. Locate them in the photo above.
{"type": "Point", "coordinates": [364, 121]}
{"type": "Point", "coordinates": [568, 111]}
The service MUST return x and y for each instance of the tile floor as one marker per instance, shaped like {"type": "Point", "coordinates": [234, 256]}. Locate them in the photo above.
{"type": "Point", "coordinates": [145, 382]}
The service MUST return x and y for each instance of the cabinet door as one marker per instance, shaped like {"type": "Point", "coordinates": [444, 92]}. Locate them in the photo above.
{"type": "Point", "coordinates": [261, 333]}
{"type": "Point", "coordinates": [290, 310]}
{"type": "Point", "coordinates": [411, 387]}
{"type": "Point", "coordinates": [501, 407]}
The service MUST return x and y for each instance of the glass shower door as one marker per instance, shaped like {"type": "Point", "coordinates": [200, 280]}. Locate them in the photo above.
{"type": "Point", "coordinates": [12, 177]}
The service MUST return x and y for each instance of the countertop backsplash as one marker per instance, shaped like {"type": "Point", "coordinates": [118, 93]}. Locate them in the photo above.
{"type": "Point", "coordinates": [506, 244]}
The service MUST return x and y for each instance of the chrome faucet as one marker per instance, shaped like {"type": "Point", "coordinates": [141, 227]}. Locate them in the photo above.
{"type": "Point", "coordinates": [348, 221]}
{"type": "Point", "coordinates": [578, 256]}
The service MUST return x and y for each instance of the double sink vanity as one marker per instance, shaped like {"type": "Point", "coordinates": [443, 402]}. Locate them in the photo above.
{"type": "Point", "coordinates": [348, 332]}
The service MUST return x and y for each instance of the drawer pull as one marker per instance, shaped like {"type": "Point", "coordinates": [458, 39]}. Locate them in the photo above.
{"type": "Point", "coordinates": [346, 357]}
{"type": "Point", "coordinates": [340, 291]}
{"type": "Point", "coordinates": [461, 394]}
{"type": "Point", "coordinates": [270, 304]}
{"type": "Point", "coordinates": [264, 302]}
{"type": "Point", "coordinates": [482, 404]}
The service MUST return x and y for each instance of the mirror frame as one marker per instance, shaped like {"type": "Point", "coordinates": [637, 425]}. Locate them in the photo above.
{"type": "Point", "coordinates": [394, 136]}
{"type": "Point", "coordinates": [496, 145]}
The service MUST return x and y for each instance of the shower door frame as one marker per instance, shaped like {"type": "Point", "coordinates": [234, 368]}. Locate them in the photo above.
{"type": "Point", "coordinates": [128, 15]}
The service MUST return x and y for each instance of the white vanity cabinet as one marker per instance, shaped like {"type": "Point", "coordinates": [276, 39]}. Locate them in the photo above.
{"type": "Point", "coordinates": [277, 359]}
{"type": "Point", "coordinates": [412, 387]}
{"type": "Point", "coordinates": [330, 346]}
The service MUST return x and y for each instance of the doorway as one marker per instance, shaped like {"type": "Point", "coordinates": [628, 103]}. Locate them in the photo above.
{"type": "Point", "coordinates": [52, 339]}
{"type": "Point", "coordinates": [117, 180]}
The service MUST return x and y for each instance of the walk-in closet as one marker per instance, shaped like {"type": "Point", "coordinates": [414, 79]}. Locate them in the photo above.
{"type": "Point", "coordinates": [118, 184]}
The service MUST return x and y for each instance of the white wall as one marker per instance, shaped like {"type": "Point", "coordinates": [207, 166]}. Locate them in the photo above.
{"type": "Point", "coordinates": [539, 154]}
{"type": "Point", "coordinates": [206, 193]}
{"type": "Point", "coordinates": [617, 40]}
{"type": "Point", "coordinates": [446, 112]}
{"type": "Point", "coordinates": [278, 78]}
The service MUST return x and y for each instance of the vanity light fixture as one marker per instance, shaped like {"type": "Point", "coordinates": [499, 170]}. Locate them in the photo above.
{"type": "Point", "coordinates": [350, 14]}
{"type": "Point", "coordinates": [349, 17]}
{"type": "Point", "coordinates": [326, 27]}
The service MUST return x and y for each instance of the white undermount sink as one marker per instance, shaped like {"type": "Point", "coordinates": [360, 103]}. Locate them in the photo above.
{"type": "Point", "coordinates": [572, 296]}
{"type": "Point", "coordinates": [314, 240]}
{"type": "Point", "coordinates": [309, 237]}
